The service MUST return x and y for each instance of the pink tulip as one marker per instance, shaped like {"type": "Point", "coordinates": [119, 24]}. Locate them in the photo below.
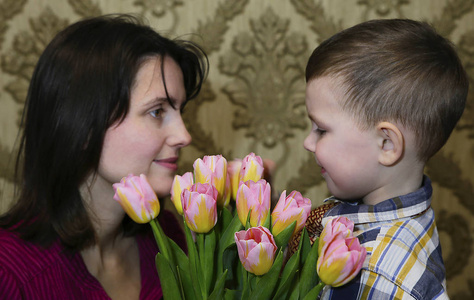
{"type": "Point", "coordinates": [228, 191]}
{"type": "Point", "coordinates": [256, 248]}
{"type": "Point", "coordinates": [341, 257]}
{"type": "Point", "coordinates": [180, 183]}
{"type": "Point", "coordinates": [213, 170]}
{"type": "Point", "coordinates": [335, 226]}
{"type": "Point", "coordinates": [254, 196]}
{"type": "Point", "coordinates": [252, 168]}
{"type": "Point", "coordinates": [289, 209]}
{"type": "Point", "coordinates": [200, 207]}
{"type": "Point", "coordinates": [233, 172]}
{"type": "Point", "coordinates": [137, 198]}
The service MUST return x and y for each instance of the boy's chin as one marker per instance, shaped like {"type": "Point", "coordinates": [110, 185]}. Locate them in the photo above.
{"type": "Point", "coordinates": [344, 197]}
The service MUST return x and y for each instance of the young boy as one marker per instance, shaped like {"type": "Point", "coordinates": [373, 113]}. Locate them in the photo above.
{"type": "Point", "coordinates": [383, 97]}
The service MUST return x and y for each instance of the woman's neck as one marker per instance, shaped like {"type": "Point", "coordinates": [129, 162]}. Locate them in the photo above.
{"type": "Point", "coordinates": [114, 259]}
{"type": "Point", "coordinates": [105, 213]}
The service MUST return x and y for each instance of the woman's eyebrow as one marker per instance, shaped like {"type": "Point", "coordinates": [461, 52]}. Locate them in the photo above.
{"type": "Point", "coordinates": [154, 101]}
{"type": "Point", "coordinates": [158, 100]}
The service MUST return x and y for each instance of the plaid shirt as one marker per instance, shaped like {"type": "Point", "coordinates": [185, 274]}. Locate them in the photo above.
{"type": "Point", "coordinates": [403, 250]}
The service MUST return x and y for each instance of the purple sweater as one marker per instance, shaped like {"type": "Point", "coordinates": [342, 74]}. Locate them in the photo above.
{"type": "Point", "coordinates": [28, 271]}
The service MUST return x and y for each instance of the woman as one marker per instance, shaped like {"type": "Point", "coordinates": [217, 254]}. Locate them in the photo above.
{"type": "Point", "coordinates": [104, 101]}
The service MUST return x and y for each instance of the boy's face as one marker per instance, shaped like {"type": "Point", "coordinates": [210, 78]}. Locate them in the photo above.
{"type": "Point", "coordinates": [348, 156]}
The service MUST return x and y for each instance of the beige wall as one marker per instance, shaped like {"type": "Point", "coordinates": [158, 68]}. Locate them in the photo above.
{"type": "Point", "coordinates": [254, 97]}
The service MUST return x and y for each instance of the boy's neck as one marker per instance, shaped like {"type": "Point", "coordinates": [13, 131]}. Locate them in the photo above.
{"type": "Point", "coordinates": [397, 182]}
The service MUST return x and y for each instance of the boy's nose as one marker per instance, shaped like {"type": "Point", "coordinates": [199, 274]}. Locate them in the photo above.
{"type": "Point", "coordinates": [310, 143]}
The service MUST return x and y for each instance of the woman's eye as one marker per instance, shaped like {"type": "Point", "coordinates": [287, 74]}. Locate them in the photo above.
{"type": "Point", "coordinates": [157, 113]}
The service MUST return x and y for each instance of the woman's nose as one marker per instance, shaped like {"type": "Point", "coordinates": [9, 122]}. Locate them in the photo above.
{"type": "Point", "coordinates": [180, 137]}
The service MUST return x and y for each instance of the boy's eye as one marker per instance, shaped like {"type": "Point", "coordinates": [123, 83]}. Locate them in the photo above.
{"type": "Point", "coordinates": [157, 113]}
{"type": "Point", "coordinates": [320, 131]}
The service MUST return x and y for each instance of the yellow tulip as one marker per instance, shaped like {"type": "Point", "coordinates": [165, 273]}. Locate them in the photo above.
{"type": "Point", "coordinates": [212, 169]}
{"type": "Point", "coordinates": [180, 183]}
{"type": "Point", "coordinates": [340, 254]}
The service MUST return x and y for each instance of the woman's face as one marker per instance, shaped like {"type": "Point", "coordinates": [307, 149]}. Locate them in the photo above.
{"type": "Point", "coordinates": [150, 137]}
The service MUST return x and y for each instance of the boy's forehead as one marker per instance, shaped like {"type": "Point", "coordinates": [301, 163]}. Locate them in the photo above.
{"type": "Point", "coordinates": [323, 98]}
{"type": "Point", "coordinates": [325, 89]}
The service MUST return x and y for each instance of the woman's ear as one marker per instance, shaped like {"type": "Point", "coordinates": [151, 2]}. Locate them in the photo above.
{"type": "Point", "coordinates": [391, 143]}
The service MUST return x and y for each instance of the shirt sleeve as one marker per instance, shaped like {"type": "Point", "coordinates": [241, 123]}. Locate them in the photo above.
{"type": "Point", "coordinates": [8, 286]}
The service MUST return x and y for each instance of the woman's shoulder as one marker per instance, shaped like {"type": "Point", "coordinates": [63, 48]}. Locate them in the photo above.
{"type": "Point", "coordinates": [21, 258]}
{"type": "Point", "coordinates": [13, 245]}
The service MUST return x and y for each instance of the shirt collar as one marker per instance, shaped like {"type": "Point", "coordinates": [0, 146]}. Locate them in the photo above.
{"type": "Point", "coordinates": [395, 208]}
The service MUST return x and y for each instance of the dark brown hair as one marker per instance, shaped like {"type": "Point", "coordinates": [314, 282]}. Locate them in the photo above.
{"type": "Point", "coordinates": [396, 70]}
{"type": "Point", "coordinates": [80, 87]}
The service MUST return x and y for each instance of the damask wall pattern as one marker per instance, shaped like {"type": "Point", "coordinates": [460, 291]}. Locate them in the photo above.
{"type": "Point", "coordinates": [253, 99]}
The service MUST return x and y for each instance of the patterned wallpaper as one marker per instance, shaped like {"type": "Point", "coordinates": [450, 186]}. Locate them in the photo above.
{"type": "Point", "coordinates": [253, 99]}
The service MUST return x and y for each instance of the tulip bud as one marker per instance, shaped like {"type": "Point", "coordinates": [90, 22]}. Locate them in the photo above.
{"type": "Point", "coordinates": [213, 170]}
{"type": "Point", "coordinates": [256, 248]}
{"type": "Point", "coordinates": [341, 256]}
{"type": "Point", "coordinates": [180, 183]}
{"type": "Point", "coordinates": [137, 198]}
{"type": "Point", "coordinates": [254, 196]}
{"type": "Point", "coordinates": [228, 191]}
{"type": "Point", "coordinates": [252, 168]}
{"type": "Point", "coordinates": [200, 207]}
{"type": "Point", "coordinates": [338, 225]}
{"type": "Point", "coordinates": [289, 209]}
{"type": "Point", "coordinates": [233, 172]}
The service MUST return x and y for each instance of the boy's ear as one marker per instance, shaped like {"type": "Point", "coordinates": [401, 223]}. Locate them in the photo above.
{"type": "Point", "coordinates": [391, 143]}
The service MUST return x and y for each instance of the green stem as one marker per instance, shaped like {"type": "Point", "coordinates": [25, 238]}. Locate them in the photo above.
{"type": "Point", "coordinates": [160, 239]}
{"type": "Point", "coordinates": [245, 282]}
{"type": "Point", "coordinates": [201, 253]}
{"type": "Point", "coordinates": [319, 287]}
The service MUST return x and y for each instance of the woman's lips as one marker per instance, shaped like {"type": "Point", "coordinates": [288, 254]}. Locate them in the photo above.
{"type": "Point", "coordinates": [169, 163]}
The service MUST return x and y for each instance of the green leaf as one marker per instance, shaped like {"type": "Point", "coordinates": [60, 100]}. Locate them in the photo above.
{"type": "Point", "coordinates": [169, 284]}
{"type": "Point", "coordinates": [218, 291]}
{"type": "Point", "coordinates": [247, 223]}
{"type": "Point", "coordinates": [252, 278]}
{"type": "Point", "coordinates": [194, 266]}
{"type": "Point", "coordinates": [267, 221]}
{"type": "Point", "coordinates": [184, 276]}
{"type": "Point", "coordinates": [295, 291]}
{"type": "Point", "coordinates": [225, 219]}
{"type": "Point", "coordinates": [179, 256]}
{"type": "Point", "coordinates": [268, 281]}
{"type": "Point", "coordinates": [226, 240]}
{"type": "Point", "coordinates": [313, 294]}
{"type": "Point", "coordinates": [231, 295]}
{"type": "Point", "coordinates": [304, 245]}
{"type": "Point", "coordinates": [309, 277]}
{"type": "Point", "coordinates": [230, 262]}
{"type": "Point", "coordinates": [240, 270]}
{"type": "Point", "coordinates": [187, 288]}
{"type": "Point", "coordinates": [284, 236]}
{"type": "Point", "coordinates": [208, 257]}
{"type": "Point", "coordinates": [288, 276]}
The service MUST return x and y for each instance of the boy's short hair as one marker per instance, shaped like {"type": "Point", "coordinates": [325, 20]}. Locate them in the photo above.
{"type": "Point", "coordinates": [398, 71]}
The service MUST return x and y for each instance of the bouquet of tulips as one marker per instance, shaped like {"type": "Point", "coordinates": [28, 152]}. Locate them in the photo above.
{"type": "Point", "coordinates": [236, 243]}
